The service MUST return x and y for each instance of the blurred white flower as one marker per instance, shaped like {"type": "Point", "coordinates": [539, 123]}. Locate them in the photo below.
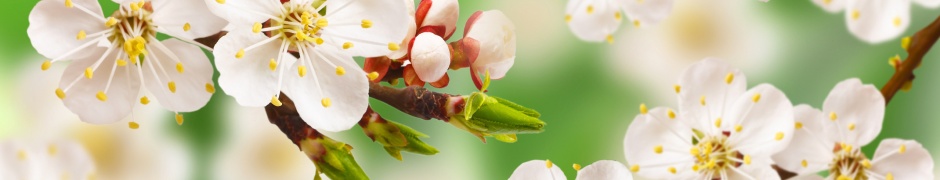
{"type": "Point", "coordinates": [595, 20]}
{"type": "Point", "coordinates": [875, 21]}
{"type": "Point", "coordinates": [93, 86]}
{"type": "Point", "coordinates": [546, 170]}
{"type": "Point", "coordinates": [490, 43]}
{"type": "Point", "coordinates": [430, 56]}
{"type": "Point", "coordinates": [734, 132]}
{"type": "Point", "coordinates": [832, 139]}
{"type": "Point", "coordinates": [45, 161]}
{"type": "Point", "coordinates": [255, 63]}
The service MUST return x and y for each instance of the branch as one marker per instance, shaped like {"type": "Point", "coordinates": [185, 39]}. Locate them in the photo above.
{"type": "Point", "coordinates": [418, 101]}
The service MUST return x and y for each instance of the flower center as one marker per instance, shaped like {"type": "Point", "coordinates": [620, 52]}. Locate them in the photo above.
{"type": "Point", "coordinates": [713, 155]}
{"type": "Point", "coordinates": [132, 27]}
{"type": "Point", "coordinates": [849, 163]}
{"type": "Point", "coordinates": [302, 23]}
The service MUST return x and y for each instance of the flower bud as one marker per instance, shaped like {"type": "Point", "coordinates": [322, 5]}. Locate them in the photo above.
{"type": "Point", "coordinates": [332, 158]}
{"type": "Point", "coordinates": [490, 43]}
{"type": "Point", "coordinates": [430, 57]}
{"type": "Point", "coordinates": [394, 136]}
{"type": "Point", "coordinates": [439, 15]}
{"type": "Point", "coordinates": [486, 115]}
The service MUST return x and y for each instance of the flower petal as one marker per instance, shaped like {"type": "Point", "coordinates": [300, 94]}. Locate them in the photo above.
{"type": "Point", "coordinates": [496, 36]}
{"type": "Point", "coordinates": [763, 121]}
{"type": "Point", "coordinates": [647, 12]}
{"type": "Point", "coordinates": [54, 28]}
{"type": "Point", "coordinates": [858, 111]}
{"type": "Point", "coordinates": [928, 3]}
{"type": "Point", "coordinates": [831, 6]}
{"type": "Point", "coordinates": [430, 57]}
{"type": "Point", "coordinates": [706, 94]}
{"type": "Point", "coordinates": [387, 18]}
{"type": "Point", "coordinates": [537, 169]}
{"type": "Point", "coordinates": [807, 177]}
{"type": "Point", "coordinates": [244, 14]}
{"type": "Point", "coordinates": [810, 143]}
{"type": "Point", "coordinates": [876, 21]}
{"type": "Point", "coordinates": [442, 13]}
{"type": "Point", "coordinates": [82, 98]}
{"type": "Point", "coordinates": [656, 138]}
{"type": "Point", "coordinates": [186, 19]}
{"type": "Point", "coordinates": [189, 91]}
{"type": "Point", "coordinates": [914, 163]}
{"type": "Point", "coordinates": [248, 79]}
{"type": "Point", "coordinates": [604, 170]}
{"type": "Point", "coordinates": [72, 160]}
{"type": "Point", "coordinates": [325, 99]}
{"type": "Point", "coordinates": [405, 46]}
{"type": "Point", "coordinates": [755, 172]}
{"type": "Point", "coordinates": [593, 20]}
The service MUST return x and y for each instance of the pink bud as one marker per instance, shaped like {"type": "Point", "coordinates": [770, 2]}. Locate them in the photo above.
{"type": "Point", "coordinates": [440, 15]}
{"type": "Point", "coordinates": [490, 36]}
{"type": "Point", "coordinates": [430, 57]}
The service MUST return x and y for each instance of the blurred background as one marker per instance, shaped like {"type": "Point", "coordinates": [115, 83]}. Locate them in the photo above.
{"type": "Point", "coordinates": [587, 92]}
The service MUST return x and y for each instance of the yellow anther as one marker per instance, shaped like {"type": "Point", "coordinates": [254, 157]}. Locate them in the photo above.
{"type": "Point", "coordinates": [133, 125]}
{"type": "Point", "coordinates": [906, 42]}
{"type": "Point", "coordinates": [718, 122]}
{"type": "Point", "coordinates": [135, 6]}
{"type": "Point", "coordinates": [635, 168]}
{"type": "Point", "coordinates": [618, 16]}
{"type": "Point", "coordinates": [827, 2]}
{"type": "Point", "coordinates": [302, 36]}
{"type": "Point", "coordinates": [711, 163]}
{"type": "Point", "coordinates": [610, 39]}
{"type": "Point", "coordinates": [671, 114]}
{"type": "Point", "coordinates": [729, 78]}
{"type": "Point", "coordinates": [832, 116]}
{"type": "Point", "coordinates": [897, 21]}
{"type": "Point", "coordinates": [347, 45]}
{"type": "Point", "coordinates": [121, 62]}
{"type": "Point", "coordinates": [81, 35]}
{"type": "Point", "coordinates": [144, 100]}
{"type": "Point", "coordinates": [779, 136]}
{"type": "Point", "coordinates": [179, 67]}
{"type": "Point", "coordinates": [756, 97]}
{"type": "Point", "coordinates": [851, 126]}
{"type": "Point", "coordinates": [702, 100]}
{"type": "Point", "coordinates": [340, 70]}
{"type": "Point", "coordinates": [325, 102]}
{"type": "Point", "coordinates": [322, 22]}
{"type": "Point", "coordinates": [804, 163]}
{"type": "Point", "coordinates": [135, 47]}
{"type": "Point", "coordinates": [548, 163]}
{"type": "Point", "coordinates": [889, 176]}
{"type": "Point", "coordinates": [21, 155]}
{"type": "Point", "coordinates": [187, 27]}
{"type": "Point", "coordinates": [373, 75]}
{"type": "Point", "coordinates": [256, 28]}
{"type": "Point", "coordinates": [89, 72]}
{"type": "Point", "coordinates": [393, 46]}
{"type": "Point", "coordinates": [52, 149]}
{"type": "Point", "coordinates": [643, 109]}
{"type": "Point", "coordinates": [902, 149]}
{"type": "Point", "coordinates": [366, 23]}
{"type": "Point", "coordinates": [179, 119]}
{"type": "Point", "coordinates": [694, 151]}
{"type": "Point", "coordinates": [59, 93]}
{"type": "Point", "coordinates": [68, 4]}
{"type": "Point", "coordinates": [46, 65]}
{"type": "Point", "coordinates": [677, 88]}
{"type": "Point", "coordinates": [101, 96]}
{"type": "Point", "coordinates": [856, 14]}
{"type": "Point", "coordinates": [220, 1]}
{"type": "Point", "coordinates": [738, 128]}
{"type": "Point", "coordinates": [318, 40]}
{"type": "Point", "coordinates": [866, 164]}
{"type": "Point", "coordinates": [210, 88]}
{"type": "Point", "coordinates": [636, 23]}
{"type": "Point", "coordinates": [658, 149]}
{"type": "Point", "coordinates": [240, 54]}
{"type": "Point", "coordinates": [302, 71]}
{"type": "Point", "coordinates": [111, 22]}
{"type": "Point", "coordinates": [798, 125]}
{"type": "Point", "coordinates": [590, 9]}
{"type": "Point", "coordinates": [695, 167]}
{"type": "Point", "coordinates": [272, 65]}
{"type": "Point", "coordinates": [672, 170]}
{"type": "Point", "coordinates": [577, 167]}
{"type": "Point", "coordinates": [275, 101]}
{"type": "Point", "coordinates": [172, 86]}
{"type": "Point", "coordinates": [843, 177]}
{"type": "Point", "coordinates": [846, 147]}
{"type": "Point", "coordinates": [567, 18]}
{"type": "Point", "coordinates": [747, 159]}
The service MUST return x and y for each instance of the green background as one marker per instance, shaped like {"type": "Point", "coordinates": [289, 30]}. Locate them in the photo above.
{"type": "Point", "coordinates": [586, 104]}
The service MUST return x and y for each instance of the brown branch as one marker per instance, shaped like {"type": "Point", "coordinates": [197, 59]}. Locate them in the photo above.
{"type": "Point", "coordinates": [921, 43]}
{"type": "Point", "coordinates": [288, 120]}
{"type": "Point", "coordinates": [418, 101]}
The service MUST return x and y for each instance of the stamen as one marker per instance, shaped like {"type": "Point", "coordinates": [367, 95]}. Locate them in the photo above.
{"type": "Point", "coordinates": [618, 16]}
{"type": "Point", "coordinates": [322, 22]}
{"type": "Point", "coordinates": [635, 168]}
{"type": "Point", "coordinates": [702, 100]}
{"type": "Point", "coordinates": [325, 102]}
{"type": "Point", "coordinates": [111, 22]}
{"type": "Point", "coordinates": [851, 126]}
{"type": "Point", "coordinates": [747, 159]}
{"type": "Point", "coordinates": [729, 78]}
{"type": "Point", "coordinates": [799, 125]}
{"type": "Point", "coordinates": [373, 75]}
{"type": "Point", "coordinates": [671, 114]}
{"type": "Point", "coordinates": [220, 1]}
{"type": "Point", "coordinates": [548, 163]}
{"type": "Point", "coordinates": [347, 45]}
{"type": "Point", "coordinates": [46, 65]}
{"type": "Point", "coordinates": [210, 88]}
{"type": "Point", "coordinates": [81, 35]}
{"type": "Point", "coordinates": [179, 119]}
{"type": "Point", "coordinates": [121, 62]}
{"type": "Point", "coordinates": [179, 67]}
{"type": "Point", "coordinates": [256, 28]}
{"type": "Point", "coordinates": [172, 86]}
{"type": "Point", "coordinates": [804, 163]}
{"type": "Point", "coordinates": [756, 97]}
{"type": "Point", "coordinates": [133, 125]}
{"type": "Point", "coordinates": [240, 54]}
{"type": "Point", "coordinates": [340, 70]}
{"type": "Point", "coordinates": [89, 72]}
{"type": "Point", "coordinates": [643, 109]}
{"type": "Point", "coordinates": [59, 93]}
{"type": "Point", "coordinates": [187, 27]}
{"type": "Point", "coordinates": [832, 116]}
{"type": "Point", "coordinates": [302, 70]}
{"type": "Point", "coordinates": [590, 9]}
{"type": "Point", "coordinates": [144, 100]}
{"type": "Point", "coordinates": [568, 18]}
{"type": "Point", "coordinates": [366, 23]}
{"type": "Point", "coordinates": [272, 65]}
{"type": "Point", "coordinates": [902, 149]}
{"type": "Point", "coordinates": [718, 122]}
{"type": "Point", "coordinates": [610, 39]}
{"type": "Point", "coordinates": [738, 128]}
{"type": "Point", "coordinates": [677, 88]}
{"type": "Point", "coordinates": [577, 167]}
{"type": "Point", "coordinates": [275, 101]}
{"type": "Point", "coordinates": [101, 96]}
{"type": "Point", "coordinates": [658, 149]}
{"type": "Point", "coordinates": [672, 170]}
{"type": "Point", "coordinates": [393, 46]}
{"type": "Point", "coordinates": [68, 4]}
{"type": "Point", "coordinates": [779, 136]}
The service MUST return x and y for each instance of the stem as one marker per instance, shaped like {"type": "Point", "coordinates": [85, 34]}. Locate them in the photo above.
{"type": "Point", "coordinates": [418, 101]}
{"type": "Point", "coordinates": [921, 42]}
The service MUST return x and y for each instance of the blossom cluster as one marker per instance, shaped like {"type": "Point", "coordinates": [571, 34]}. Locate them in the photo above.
{"type": "Point", "coordinates": [875, 21]}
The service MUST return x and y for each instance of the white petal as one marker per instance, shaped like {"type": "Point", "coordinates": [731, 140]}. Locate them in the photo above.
{"type": "Point", "coordinates": [54, 28]}
{"type": "Point", "coordinates": [605, 170]}
{"type": "Point", "coordinates": [537, 170]}
{"type": "Point", "coordinates": [707, 80]}
{"type": "Point", "coordinates": [406, 42]}
{"type": "Point", "coordinates": [755, 172]}
{"type": "Point", "coordinates": [443, 13]}
{"type": "Point", "coordinates": [914, 163]}
{"type": "Point", "coordinates": [430, 57]}
{"type": "Point", "coordinates": [647, 134]}
{"type": "Point", "coordinates": [496, 36]}
{"type": "Point", "coordinates": [387, 18]}
{"type": "Point", "coordinates": [13, 166]}
{"type": "Point", "coordinates": [245, 13]}
{"type": "Point", "coordinates": [348, 93]}
{"type": "Point", "coordinates": [72, 160]}
{"type": "Point", "coordinates": [831, 6]}
{"type": "Point", "coordinates": [807, 177]}
{"type": "Point", "coordinates": [876, 21]}
{"type": "Point", "coordinates": [855, 104]}
{"type": "Point", "coordinates": [82, 99]}
{"type": "Point", "coordinates": [810, 143]}
{"type": "Point", "coordinates": [928, 3]}
{"type": "Point", "coordinates": [593, 20]}
{"type": "Point", "coordinates": [766, 124]}
{"type": "Point", "coordinates": [172, 15]}
{"type": "Point", "coordinates": [190, 85]}
{"type": "Point", "coordinates": [647, 12]}
{"type": "Point", "coordinates": [249, 79]}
